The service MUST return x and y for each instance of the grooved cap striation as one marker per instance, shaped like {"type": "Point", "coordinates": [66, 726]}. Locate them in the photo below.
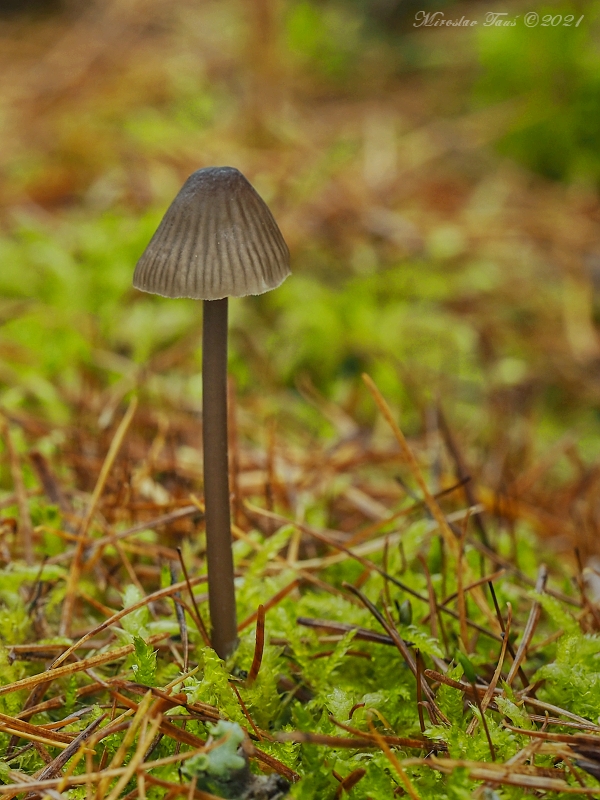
{"type": "Point", "coordinates": [217, 239]}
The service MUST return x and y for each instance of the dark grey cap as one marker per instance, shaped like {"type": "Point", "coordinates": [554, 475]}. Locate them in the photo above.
{"type": "Point", "coordinates": [217, 239]}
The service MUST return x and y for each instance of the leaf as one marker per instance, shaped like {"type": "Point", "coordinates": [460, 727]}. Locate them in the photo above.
{"type": "Point", "coordinates": [135, 622]}
{"type": "Point", "coordinates": [144, 667]}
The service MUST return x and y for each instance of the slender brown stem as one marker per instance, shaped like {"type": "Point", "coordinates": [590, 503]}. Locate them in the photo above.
{"type": "Point", "coordinates": [221, 592]}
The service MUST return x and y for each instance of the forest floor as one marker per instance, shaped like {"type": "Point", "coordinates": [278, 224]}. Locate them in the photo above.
{"type": "Point", "coordinates": [418, 616]}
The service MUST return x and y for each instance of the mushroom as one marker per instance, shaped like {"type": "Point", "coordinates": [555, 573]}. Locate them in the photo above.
{"type": "Point", "coordinates": [217, 240]}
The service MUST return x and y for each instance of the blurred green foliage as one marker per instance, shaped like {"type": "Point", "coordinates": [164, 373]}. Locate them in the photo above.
{"type": "Point", "coordinates": [68, 314]}
{"type": "Point", "coordinates": [77, 298]}
{"type": "Point", "coordinates": [324, 38]}
{"type": "Point", "coordinates": [551, 74]}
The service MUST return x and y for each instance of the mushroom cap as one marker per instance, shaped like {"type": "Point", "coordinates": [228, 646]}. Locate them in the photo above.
{"type": "Point", "coordinates": [217, 239]}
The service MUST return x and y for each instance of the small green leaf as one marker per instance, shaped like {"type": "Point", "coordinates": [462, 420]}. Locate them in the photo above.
{"type": "Point", "coordinates": [467, 666]}
{"type": "Point", "coordinates": [144, 667]}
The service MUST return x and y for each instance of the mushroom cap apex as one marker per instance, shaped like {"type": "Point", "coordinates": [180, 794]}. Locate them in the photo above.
{"type": "Point", "coordinates": [217, 239]}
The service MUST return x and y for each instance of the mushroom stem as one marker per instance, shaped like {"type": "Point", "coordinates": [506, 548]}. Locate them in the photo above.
{"type": "Point", "coordinates": [221, 592]}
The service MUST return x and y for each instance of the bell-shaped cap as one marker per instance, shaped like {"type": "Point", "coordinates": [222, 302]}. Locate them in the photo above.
{"type": "Point", "coordinates": [218, 239]}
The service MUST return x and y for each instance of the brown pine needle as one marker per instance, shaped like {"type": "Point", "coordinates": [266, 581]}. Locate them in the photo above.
{"type": "Point", "coordinates": [158, 595]}
{"type": "Point", "coordinates": [180, 790]}
{"type": "Point", "coordinates": [408, 456]}
{"type": "Point", "coordinates": [484, 722]}
{"type": "Point", "coordinates": [364, 741]}
{"type": "Point", "coordinates": [530, 627]}
{"type": "Point", "coordinates": [144, 741]}
{"type": "Point", "coordinates": [35, 732]}
{"type": "Point", "coordinates": [401, 645]}
{"type": "Point", "coordinates": [55, 673]}
{"type": "Point", "coordinates": [246, 713]}
{"type": "Point", "coordinates": [76, 748]}
{"type": "Point", "coordinates": [392, 758]}
{"type": "Point", "coordinates": [25, 526]}
{"type": "Point", "coordinates": [420, 690]}
{"type": "Point", "coordinates": [432, 505]}
{"type": "Point", "coordinates": [527, 777]}
{"type": "Point", "coordinates": [462, 603]}
{"type": "Point", "coordinates": [197, 616]}
{"type": "Point", "coordinates": [97, 545]}
{"type": "Point", "coordinates": [365, 634]}
{"type": "Point", "coordinates": [433, 605]}
{"type": "Point", "coordinates": [350, 781]}
{"type": "Point", "coordinates": [366, 533]}
{"type": "Point", "coordinates": [259, 646]}
{"type": "Point", "coordinates": [479, 582]}
{"type": "Point", "coordinates": [462, 686]}
{"type": "Point", "coordinates": [489, 693]}
{"type": "Point", "coordinates": [371, 565]}
{"type": "Point", "coordinates": [123, 749]}
{"type": "Point", "coordinates": [181, 620]}
{"type": "Point", "coordinates": [76, 564]}
{"type": "Point", "coordinates": [91, 776]}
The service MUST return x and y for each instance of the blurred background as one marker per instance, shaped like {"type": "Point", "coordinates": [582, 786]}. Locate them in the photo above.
{"type": "Point", "coordinates": [438, 189]}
